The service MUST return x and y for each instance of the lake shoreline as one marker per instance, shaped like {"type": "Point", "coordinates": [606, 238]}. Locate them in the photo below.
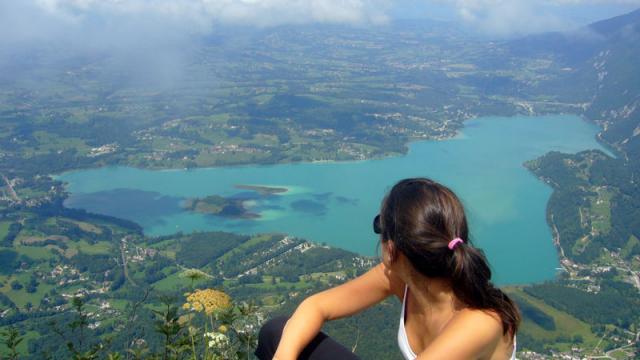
{"type": "Point", "coordinates": [389, 154]}
{"type": "Point", "coordinates": [332, 202]}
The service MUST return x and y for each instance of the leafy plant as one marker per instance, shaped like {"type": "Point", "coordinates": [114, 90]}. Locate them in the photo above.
{"type": "Point", "coordinates": [12, 339]}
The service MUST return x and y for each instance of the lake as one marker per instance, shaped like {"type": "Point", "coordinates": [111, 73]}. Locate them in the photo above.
{"type": "Point", "coordinates": [334, 203]}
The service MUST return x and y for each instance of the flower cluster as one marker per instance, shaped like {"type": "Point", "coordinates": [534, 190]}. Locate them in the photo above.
{"type": "Point", "coordinates": [217, 340]}
{"type": "Point", "coordinates": [208, 300]}
{"type": "Point", "coordinates": [227, 331]}
{"type": "Point", "coordinates": [246, 326]}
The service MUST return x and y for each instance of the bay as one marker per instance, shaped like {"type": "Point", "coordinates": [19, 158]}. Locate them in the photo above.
{"type": "Point", "coordinates": [334, 203]}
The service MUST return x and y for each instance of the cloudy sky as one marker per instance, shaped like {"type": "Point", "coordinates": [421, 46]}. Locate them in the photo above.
{"type": "Point", "coordinates": [517, 17]}
{"type": "Point", "coordinates": [24, 19]}
{"type": "Point", "coordinates": [158, 33]}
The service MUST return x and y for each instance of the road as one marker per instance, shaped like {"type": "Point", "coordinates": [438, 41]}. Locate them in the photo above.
{"type": "Point", "coordinates": [12, 191]}
{"type": "Point", "coordinates": [123, 245]}
{"type": "Point", "coordinates": [609, 354]}
{"type": "Point", "coordinates": [636, 279]}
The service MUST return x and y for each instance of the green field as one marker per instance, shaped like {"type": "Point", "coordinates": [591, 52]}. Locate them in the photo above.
{"type": "Point", "coordinates": [173, 282]}
{"type": "Point", "coordinates": [565, 325]}
{"type": "Point", "coordinates": [4, 229]}
{"type": "Point", "coordinates": [253, 241]}
{"type": "Point", "coordinates": [601, 211]}
{"type": "Point", "coordinates": [627, 249]}
{"type": "Point", "coordinates": [101, 247]}
{"type": "Point", "coordinates": [22, 297]}
{"type": "Point", "coordinates": [85, 226]}
{"type": "Point", "coordinates": [35, 252]}
{"type": "Point", "coordinates": [22, 347]}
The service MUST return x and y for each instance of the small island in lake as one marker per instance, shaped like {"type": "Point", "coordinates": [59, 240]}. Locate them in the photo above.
{"type": "Point", "coordinates": [220, 206]}
{"type": "Point", "coordinates": [233, 207]}
{"type": "Point", "coordinates": [263, 190]}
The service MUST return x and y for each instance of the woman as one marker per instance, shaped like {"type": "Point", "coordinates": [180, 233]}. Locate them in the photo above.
{"type": "Point", "coordinates": [450, 309]}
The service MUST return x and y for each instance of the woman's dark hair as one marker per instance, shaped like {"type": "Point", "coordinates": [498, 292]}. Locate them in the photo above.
{"type": "Point", "coordinates": [421, 217]}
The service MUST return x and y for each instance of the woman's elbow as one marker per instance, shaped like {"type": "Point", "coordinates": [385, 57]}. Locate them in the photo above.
{"type": "Point", "coordinates": [313, 307]}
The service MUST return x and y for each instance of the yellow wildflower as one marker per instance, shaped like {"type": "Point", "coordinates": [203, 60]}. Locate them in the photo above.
{"type": "Point", "coordinates": [207, 300]}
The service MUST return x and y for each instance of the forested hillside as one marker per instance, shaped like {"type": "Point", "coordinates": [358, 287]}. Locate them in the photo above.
{"type": "Point", "coordinates": [595, 207]}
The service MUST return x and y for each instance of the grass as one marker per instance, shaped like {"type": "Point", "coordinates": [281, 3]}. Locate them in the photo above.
{"type": "Point", "coordinates": [35, 252]}
{"type": "Point", "coordinates": [4, 229]}
{"type": "Point", "coordinates": [85, 226]}
{"type": "Point", "coordinates": [253, 241]}
{"type": "Point", "coordinates": [601, 211]}
{"type": "Point", "coordinates": [263, 99]}
{"type": "Point", "coordinates": [620, 354]}
{"type": "Point", "coordinates": [26, 233]}
{"type": "Point", "coordinates": [51, 142]}
{"type": "Point", "coordinates": [101, 247]}
{"type": "Point", "coordinates": [628, 247]}
{"type": "Point", "coordinates": [44, 252]}
{"type": "Point", "coordinates": [267, 285]}
{"type": "Point", "coordinates": [172, 282]}
{"type": "Point", "coordinates": [605, 259]}
{"type": "Point", "coordinates": [171, 254]}
{"type": "Point", "coordinates": [22, 297]}
{"type": "Point", "coordinates": [22, 347]}
{"type": "Point", "coordinates": [271, 300]}
{"type": "Point", "coordinates": [119, 304]}
{"type": "Point", "coordinates": [565, 324]}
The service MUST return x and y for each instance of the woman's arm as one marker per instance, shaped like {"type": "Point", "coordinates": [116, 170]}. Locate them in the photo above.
{"type": "Point", "coordinates": [344, 300]}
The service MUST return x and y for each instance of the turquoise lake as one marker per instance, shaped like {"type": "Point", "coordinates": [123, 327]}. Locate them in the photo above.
{"type": "Point", "coordinates": [335, 203]}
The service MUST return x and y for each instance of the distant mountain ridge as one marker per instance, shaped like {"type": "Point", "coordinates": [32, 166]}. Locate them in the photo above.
{"type": "Point", "coordinates": [612, 26]}
{"type": "Point", "coordinates": [602, 61]}
{"type": "Point", "coordinates": [577, 46]}
{"type": "Point", "coordinates": [616, 99]}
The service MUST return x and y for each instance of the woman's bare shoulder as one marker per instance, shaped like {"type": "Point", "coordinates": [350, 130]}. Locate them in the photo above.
{"type": "Point", "coordinates": [486, 325]}
{"type": "Point", "coordinates": [470, 334]}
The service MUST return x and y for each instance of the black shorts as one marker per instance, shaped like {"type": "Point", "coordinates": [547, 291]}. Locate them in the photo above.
{"type": "Point", "coordinates": [320, 348]}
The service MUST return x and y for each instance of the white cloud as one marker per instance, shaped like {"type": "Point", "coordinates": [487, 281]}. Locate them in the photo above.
{"type": "Point", "coordinates": [592, 2]}
{"type": "Point", "coordinates": [121, 24]}
{"type": "Point", "coordinates": [506, 17]}
{"type": "Point", "coordinates": [517, 17]}
{"type": "Point", "coordinates": [202, 14]}
{"type": "Point", "coordinates": [155, 36]}
{"type": "Point", "coordinates": [42, 18]}
{"type": "Point", "coordinates": [168, 24]}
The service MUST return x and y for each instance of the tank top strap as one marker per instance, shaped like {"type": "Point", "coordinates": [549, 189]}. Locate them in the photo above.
{"type": "Point", "coordinates": [403, 341]}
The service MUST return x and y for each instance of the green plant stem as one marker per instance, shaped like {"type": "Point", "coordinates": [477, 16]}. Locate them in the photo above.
{"type": "Point", "coordinates": [193, 341]}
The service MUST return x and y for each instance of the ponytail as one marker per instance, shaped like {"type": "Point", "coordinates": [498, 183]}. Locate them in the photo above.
{"type": "Point", "coordinates": [471, 284]}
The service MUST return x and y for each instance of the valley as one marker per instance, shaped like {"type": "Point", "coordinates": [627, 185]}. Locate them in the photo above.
{"type": "Point", "coordinates": [311, 94]}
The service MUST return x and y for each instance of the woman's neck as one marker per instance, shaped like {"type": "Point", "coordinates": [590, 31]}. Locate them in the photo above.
{"type": "Point", "coordinates": [432, 294]}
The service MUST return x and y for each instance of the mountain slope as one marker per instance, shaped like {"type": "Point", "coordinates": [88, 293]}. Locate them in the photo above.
{"type": "Point", "coordinates": [575, 47]}
{"type": "Point", "coordinates": [595, 207]}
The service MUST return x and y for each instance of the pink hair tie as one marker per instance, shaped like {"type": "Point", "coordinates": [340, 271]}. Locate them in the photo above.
{"type": "Point", "coordinates": [453, 243]}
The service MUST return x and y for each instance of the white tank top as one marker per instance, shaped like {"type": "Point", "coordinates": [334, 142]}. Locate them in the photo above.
{"type": "Point", "coordinates": [403, 341]}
